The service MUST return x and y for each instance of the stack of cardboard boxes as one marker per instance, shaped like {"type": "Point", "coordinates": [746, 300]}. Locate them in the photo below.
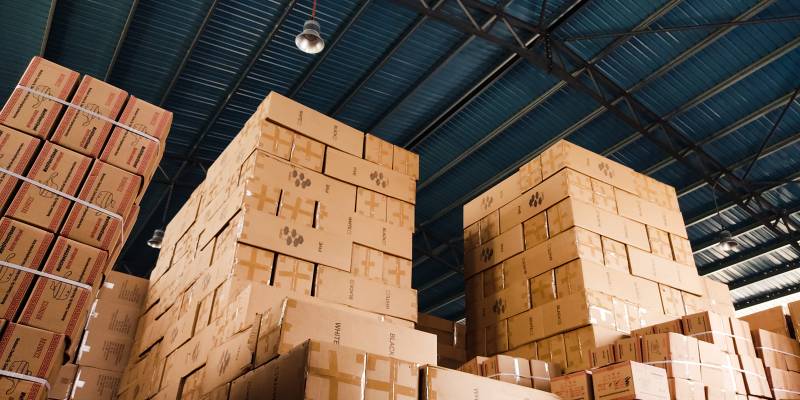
{"type": "Point", "coordinates": [572, 252]}
{"type": "Point", "coordinates": [773, 334]}
{"type": "Point", "coordinates": [295, 252]}
{"type": "Point", "coordinates": [450, 339]}
{"type": "Point", "coordinates": [76, 157]}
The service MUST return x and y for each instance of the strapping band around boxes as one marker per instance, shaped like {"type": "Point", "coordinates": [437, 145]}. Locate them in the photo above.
{"type": "Point", "coordinates": [90, 112]}
{"type": "Point", "coordinates": [778, 351]}
{"type": "Point", "coordinates": [23, 377]}
{"type": "Point", "coordinates": [722, 334]}
{"type": "Point", "coordinates": [714, 366]}
{"type": "Point", "coordinates": [46, 275]}
{"type": "Point", "coordinates": [69, 197]}
{"type": "Point", "coordinates": [541, 378]}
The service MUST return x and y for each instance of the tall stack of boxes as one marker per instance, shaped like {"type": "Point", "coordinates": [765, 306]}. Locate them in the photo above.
{"type": "Point", "coordinates": [65, 152]}
{"type": "Point", "coordinates": [774, 334]}
{"type": "Point", "coordinates": [295, 252]}
{"type": "Point", "coordinates": [575, 251]}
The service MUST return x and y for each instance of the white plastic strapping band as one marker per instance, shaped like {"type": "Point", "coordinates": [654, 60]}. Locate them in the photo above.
{"type": "Point", "coordinates": [23, 377]}
{"type": "Point", "coordinates": [90, 112]}
{"type": "Point", "coordinates": [721, 333]}
{"type": "Point", "coordinates": [720, 367]}
{"type": "Point", "coordinates": [778, 351]}
{"type": "Point", "coordinates": [46, 275]}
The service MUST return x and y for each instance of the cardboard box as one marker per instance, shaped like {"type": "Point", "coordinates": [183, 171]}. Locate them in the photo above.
{"type": "Point", "coordinates": [341, 287]}
{"type": "Point", "coordinates": [83, 132]}
{"type": "Point", "coordinates": [580, 276]}
{"type": "Point", "coordinates": [681, 250]}
{"type": "Point", "coordinates": [659, 242]}
{"type": "Point", "coordinates": [530, 174]}
{"type": "Point", "coordinates": [794, 316]}
{"type": "Point", "coordinates": [56, 167]}
{"type": "Point", "coordinates": [492, 280]}
{"type": "Point", "coordinates": [17, 150]}
{"type": "Point", "coordinates": [784, 384]}
{"type": "Point", "coordinates": [406, 162]}
{"type": "Point", "coordinates": [575, 386]}
{"type": "Point", "coordinates": [742, 339]}
{"type": "Point", "coordinates": [564, 154]}
{"type": "Point", "coordinates": [23, 245]}
{"type": "Point", "coordinates": [677, 354]}
{"type": "Point", "coordinates": [110, 188]}
{"type": "Point", "coordinates": [573, 212]}
{"type": "Point", "coordinates": [492, 199]}
{"type": "Point", "coordinates": [123, 288]}
{"type": "Point", "coordinates": [718, 371]}
{"type": "Point", "coordinates": [541, 374]}
{"type": "Point", "coordinates": [106, 350]}
{"type": "Point", "coordinates": [603, 196]}
{"type": "Point", "coordinates": [772, 319]}
{"type": "Point", "coordinates": [378, 150]}
{"type": "Point", "coordinates": [76, 261]}
{"type": "Point", "coordinates": [32, 113]}
{"type": "Point", "coordinates": [296, 320]}
{"type": "Point", "coordinates": [294, 274]}
{"type": "Point", "coordinates": [535, 230]}
{"type": "Point", "coordinates": [61, 388]}
{"type": "Point", "coordinates": [367, 262]}
{"type": "Point", "coordinates": [132, 152]}
{"type": "Point", "coordinates": [31, 351]}
{"type": "Point", "coordinates": [508, 369]}
{"type": "Point", "coordinates": [397, 271]}
{"type": "Point", "coordinates": [661, 270]}
{"type": "Point", "coordinates": [710, 327]}
{"type": "Point", "coordinates": [284, 111]}
{"type": "Point", "coordinates": [360, 172]}
{"type": "Point", "coordinates": [399, 213]}
{"type": "Point", "coordinates": [307, 152]}
{"type": "Point", "coordinates": [474, 366]}
{"type": "Point", "coordinates": [651, 214]}
{"type": "Point", "coordinates": [57, 307]}
{"type": "Point", "coordinates": [671, 301]}
{"type": "Point", "coordinates": [489, 227]}
{"type": "Point", "coordinates": [380, 235]}
{"type": "Point", "coordinates": [493, 252]}
{"type": "Point", "coordinates": [682, 389]}
{"type": "Point", "coordinates": [512, 300]}
{"type": "Point", "coordinates": [497, 337]}
{"type": "Point", "coordinates": [442, 383]}
{"type": "Point", "coordinates": [694, 304]}
{"type": "Point", "coordinates": [615, 255]}
{"type": "Point", "coordinates": [563, 248]}
{"type": "Point", "coordinates": [630, 380]}
{"type": "Point", "coordinates": [472, 237]}
{"type": "Point", "coordinates": [567, 183]}
{"type": "Point", "coordinates": [23, 390]}
{"type": "Point", "coordinates": [580, 343]}
{"type": "Point", "coordinates": [552, 350]}
{"type": "Point", "coordinates": [543, 288]}
{"type": "Point", "coordinates": [628, 349]}
{"type": "Point", "coordinates": [94, 383]}
{"type": "Point", "coordinates": [266, 136]}
{"type": "Point", "coordinates": [754, 376]}
{"type": "Point", "coordinates": [777, 351]}
{"type": "Point", "coordinates": [371, 204]}
{"type": "Point", "coordinates": [719, 296]}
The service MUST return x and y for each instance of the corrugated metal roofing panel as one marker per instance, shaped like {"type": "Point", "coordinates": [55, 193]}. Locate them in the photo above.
{"type": "Point", "coordinates": [23, 35]}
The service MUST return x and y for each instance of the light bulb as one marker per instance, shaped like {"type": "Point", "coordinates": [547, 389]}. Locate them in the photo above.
{"type": "Point", "coordinates": [726, 242]}
{"type": "Point", "coordinates": [158, 237]}
{"type": "Point", "coordinates": [309, 40]}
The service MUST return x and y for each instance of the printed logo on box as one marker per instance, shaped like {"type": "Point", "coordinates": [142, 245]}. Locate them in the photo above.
{"type": "Point", "coordinates": [378, 178]}
{"type": "Point", "coordinates": [487, 254]}
{"type": "Point", "coordinates": [536, 200]}
{"type": "Point", "coordinates": [291, 236]}
{"type": "Point", "coordinates": [499, 306]}
{"type": "Point", "coordinates": [606, 169]}
{"type": "Point", "coordinates": [300, 179]}
{"type": "Point", "coordinates": [486, 202]}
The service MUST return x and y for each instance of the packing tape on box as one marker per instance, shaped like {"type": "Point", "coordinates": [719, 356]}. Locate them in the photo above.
{"type": "Point", "coordinates": [90, 112]}
{"type": "Point", "coordinates": [722, 334]}
{"type": "Point", "coordinates": [23, 377]}
{"type": "Point", "coordinates": [46, 275]}
{"type": "Point", "coordinates": [778, 351]}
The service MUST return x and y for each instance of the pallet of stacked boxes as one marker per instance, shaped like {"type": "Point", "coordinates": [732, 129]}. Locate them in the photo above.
{"type": "Point", "coordinates": [298, 239]}
{"type": "Point", "coordinates": [69, 197]}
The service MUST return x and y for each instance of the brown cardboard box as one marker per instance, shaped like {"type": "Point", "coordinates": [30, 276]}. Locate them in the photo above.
{"type": "Point", "coordinates": [124, 288]}
{"type": "Point", "coordinates": [694, 304]}
{"type": "Point", "coordinates": [23, 245]}
{"type": "Point", "coordinates": [497, 337]}
{"type": "Point", "coordinates": [530, 174]}
{"type": "Point", "coordinates": [23, 390]}
{"type": "Point", "coordinates": [677, 354]}
{"type": "Point", "coordinates": [671, 301]}
{"type": "Point", "coordinates": [573, 212]}
{"type": "Point", "coordinates": [615, 255]}
{"type": "Point", "coordinates": [378, 150]}
{"type": "Point", "coordinates": [579, 276]}
{"type": "Point", "coordinates": [61, 388]}
{"type": "Point", "coordinates": [307, 152]}
{"type": "Point", "coordinates": [389, 378]}
{"type": "Point", "coordinates": [366, 262]}
{"type": "Point", "coordinates": [371, 204]}
{"type": "Point", "coordinates": [601, 356]}
{"type": "Point", "coordinates": [31, 113]}
{"type": "Point", "coordinates": [742, 339]}
{"type": "Point", "coordinates": [651, 214]}
{"type": "Point", "coordinates": [566, 183]}
{"type": "Point", "coordinates": [717, 369]}
{"type": "Point", "coordinates": [442, 383]}
{"type": "Point", "coordinates": [474, 366]}
{"type": "Point", "coordinates": [565, 154]}
{"type": "Point", "coordinates": [365, 174]}
{"type": "Point", "coordinates": [628, 349]}
{"type": "Point", "coordinates": [297, 320]}
{"type": "Point", "coordinates": [683, 389]}
{"type": "Point", "coordinates": [399, 213]}
{"type": "Point", "coordinates": [294, 274]}
{"type": "Point", "coordinates": [543, 288]}
{"type": "Point", "coordinates": [341, 287]}
{"type": "Point", "coordinates": [681, 250]}
{"type": "Point", "coordinates": [604, 196]}
{"type": "Point", "coordinates": [32, 351]}
{"type": "Point", "coordinates": [110, 188]}
{"type": "Point", "coordinates": [493, 252]}
{"type": "Point", "coordinates": [563, 248]}
{"type": "Point", "coordinates": [406, 162]}
{"type": "Point", "coordinates": [712, 328]}
{"type": "Point", "coordinates": [380, 235]}
{"type": "Point", "coordinates": [580, 342]}
{"type": "Point", "coordinates": [754, 376]}
{"type": "Point", "coordinates": [472, 237]}
{"type": "Point", "coordinates": [489, 227]}
{"type": "Point", "coordinates": [719, 296]}
{"type": "Point", "coordinates": [150, 119]}
{"type": "Point", "coordinates": [578, 310]}
{"type": "Point", "coordinates": [553, 351]}
{"type": "Point", "coordinates": [541, 374]}
{"type": "Point", "coordinates": [514, 299]}
{"type": "Point", "coordinates": [311, 123]}
{"type": "Point", "coordinates": [96, 384]}
{"type": "Point", "coordinates": [659, 242]}
{"type": "Point", "coordinates": [784, 384]}
{"type": "Point", "coordinates": [76, 261]}
{"type": "Point", "coordinates": [777, 351]}
{"type": "Point", "coordinates": [132, 152]}
{"type": "Point", "coordinates": [83, 132]}
{"type": "Point", "coordinates": [661, 270]}
{"type": "Point", "coordinates": [104, 350]}
{"type": "Point", "coordinates": [59, 168]}
{"type": "Point", "coordinates": [525, 327]}
{"type": "Point", "coordinates": [630, 380]}
{"type": "Point", "coordinates": [575, 386]}
{"type": "Point", "coordinates": [57, 307]}
{"type": "Point", "coordinates": [266, 136]}
{"type": "Point", "coordinates": [508, 369]}
{"type": "Point", "coordinates": [493, 280]}
{"type": "Point", "coordinates": [794, 316]}
{"type": "Point", "coordinates": [232, 358]}
{"type": "Point", "coordinates": [535, 230]}
{"type": "Point", "coordinates": [296, 209]}
{"type": "Point", "coordinates": [17, 150]}
{"type": "Point", "coordinates": [772, 319]}
{"type": "Point", "coordinates": [491, 200]}
{"type": "Point", "coordinates": [397, 271]}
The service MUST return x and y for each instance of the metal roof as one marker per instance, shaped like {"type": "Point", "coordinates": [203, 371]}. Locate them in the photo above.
{"type": "Point", "coordinates": [708, 92]}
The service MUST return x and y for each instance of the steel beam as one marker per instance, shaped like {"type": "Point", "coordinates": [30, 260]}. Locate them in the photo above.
{"type": "Point", "coordinates": [762, 276]}
{"type": "Point", "coordinates": [740, 229]}
{"type": "Point", "coordinates": [48, 25]}
{"type": "Point", "coordinates": [320, 58]}
{"type": "Point", "coordinates": [445, 302]}
{"type": "Point", "coordinates": [771, 133]}
{"type": "Point", "coordinates": [437, 281]}
{"type": "Point", "coordinates": [122, 36]}
{"type": "Point", "coordinates": [749, 254]}
{"type": "Point", "coordinates": [751, 301]}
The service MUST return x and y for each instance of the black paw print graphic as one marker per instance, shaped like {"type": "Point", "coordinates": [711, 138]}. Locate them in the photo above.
{"type": "Point", "coordinates": [377, 177]}
{"type": "Point", "coordinates": [486, 254]}
{"type": "Point", "coordinates": [499, 306]}
{"type": "Point", "coordinates": [606, 169]}
{"type": "Point", "coordinates": [300, 179]}
{"type": "Point", "coordinates": [292, 237]}
{"type": "Point", "coordinates": [536, 200]}
{"type": "Point", "coordinates": [486, 202]}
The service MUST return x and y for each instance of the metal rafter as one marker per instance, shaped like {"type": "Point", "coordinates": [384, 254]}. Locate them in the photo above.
{"type": "Point", "coordinates": [441, 304]}
{"type": "Point", "coordinates": [740, 229]}
{"type": "Point", "coordinates": [771, 133]}
{"type": "Point", "coordinates": [122, 36]}
{"type": "Point", "coordinates": [320, 58]}
{"type": "Point", "coordinates": [751, 301]}
{"type": "Point", "coordinates": [749, 254]}
{"type": "Point", "coordinates": [48, 25]}
{"type": "Point", "coordinates": [764, 275]}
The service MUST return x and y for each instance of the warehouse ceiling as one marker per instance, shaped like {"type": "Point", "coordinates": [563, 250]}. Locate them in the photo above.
{"type": "Point", "coordinates": [701, 95]}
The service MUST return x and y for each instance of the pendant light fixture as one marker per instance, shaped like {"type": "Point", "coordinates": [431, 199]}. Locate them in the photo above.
{"type": "Point", "coordinates": [310, 40]}
{"type": "Point", "coordinates": [158, 234]}
{"type": "Point", "coordinates": [727, 243]}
